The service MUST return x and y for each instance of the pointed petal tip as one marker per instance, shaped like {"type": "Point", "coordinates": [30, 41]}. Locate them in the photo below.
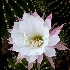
{"type": "Point", "coordinates": [19, 58]}
{"type": "Point", "coordinates": [48, 23]}
{"type": "Point", "coordinates": [60, 27]}
{"type": "Point", "coordinates": [56, 31]}
{"type": "Point", "coordinates": [43, 15]}
{"type": "Point", "coordinates": [20, 19]}
{"type": "Point", "coordinates": [50, 16]}
{"type": "Point", "coordinates": [11, 49]}
{"type": "Point", "coordinates": [35, 14]}
{"type": "Point", "coordinates": [40, 58]}
{"type": "Point", "coordinates": [30, 65]}
{"type": "Point", "coordinates": [51, 62]}
{"type": "Point", "coordinates": [10, 40]}
{"type": "Point", "coordinates": [61, 46]}
{"type": "Point", "coordinates": [9, 30]}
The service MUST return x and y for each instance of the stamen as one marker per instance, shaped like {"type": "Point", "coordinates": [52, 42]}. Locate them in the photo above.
{"type": "Point", "coordinates": [36, 41]}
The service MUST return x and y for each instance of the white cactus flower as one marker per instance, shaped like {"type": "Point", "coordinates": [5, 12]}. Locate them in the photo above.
{"type": "Point", "coordinates": [31, 37]}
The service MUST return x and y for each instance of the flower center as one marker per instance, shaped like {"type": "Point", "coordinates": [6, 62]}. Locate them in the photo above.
{"type": "Point", "coordinates": [36, 41]}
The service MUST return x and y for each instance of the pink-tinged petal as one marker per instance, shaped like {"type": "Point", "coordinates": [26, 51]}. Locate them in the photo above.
{"type": "Point", "coordinates": [60, 47]}
{"type": "Point", "coordinates": [48, 23]}
{"type": "Point", "coordinates": [9, 30]}
{"type": "Point", "coordinates": [43, 16]}
{"type": "Point", "coordinates": [11, 40]}
{"type": "Point", "coordinates": [11, 49]}
{"type": "Point", "coordinates": [40, 58]}
{"type": "Point", "coordinates": [38, 65]}
{"type": "Point", "coordinates": [19, 58]}
{"type": "Point", "coordinates": [61, 43]}
{"type": "Point", "coordinates": [35, 14]}
{"type": "Point", "coordinates": [56, 30]}
{"type": "Point", "coordinates": [50, 16]}
{"type": "Point", "coordinates": [53, 26]}
{"type": "Point", "coordinates": [51, 62]}
{"type": "Point", "coordinates": [30, 65]}
{"type": "Point", "coordinates": [19, 19]}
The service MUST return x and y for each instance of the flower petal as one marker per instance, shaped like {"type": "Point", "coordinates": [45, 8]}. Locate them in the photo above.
{"type": "Point", "coordinates": [15, 33]}
{"type": "Point", "coordinates": [40, 58]}
{"type": "Point", "coordinates": [35, 14]}
{"type": "Point", "coordinates": [53, 40]}
{"type": "Point", "coordinates": [9, 30]}
{"type": "Point", "coordinates": [31, 58]}
{"type": "Point", "coordinates": [56, 30]}
{"type": "Point", "coordinates": [38, 65]}
{"type": "Point", "coordinates": [37, 24]}
{"type": "Point", "coordinates": [50, 16]}
{"type": "Point", "coordinates": [11, 49]}
{"type": "Point", "coordinates": [19, 41]}
{"type": "Point", "coordinates": [11, 40]}
{"type": "Point", "coordinates": [32, 51]}
{"type": "Point", "coordinates": [25, 16]}
{"type": "Point", "coordinates": [16, 25]}
{"type": "Point", "coordinates": [51, 62]}
{"type": "Point", "coordinates": [60, 47]}
{"type": "Point", "coordinates": [48, 23]}
{"type": "Point", "coordinates": [46, 32]}
{"type": "Point", "coordinates": [19, 19]}
{"type": "Point", "coordinates": [26, 27]}
{"type": "Point", "coordinates": [16, 48]}
{"type": "Point", "coordinates": [19, 58]}
{"type": "Point", "coordinates": [50, 51]}
{"type": "Point", "coordinates": [43, 15]}
{"type": "Point", "coordinates": [30, 65]}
